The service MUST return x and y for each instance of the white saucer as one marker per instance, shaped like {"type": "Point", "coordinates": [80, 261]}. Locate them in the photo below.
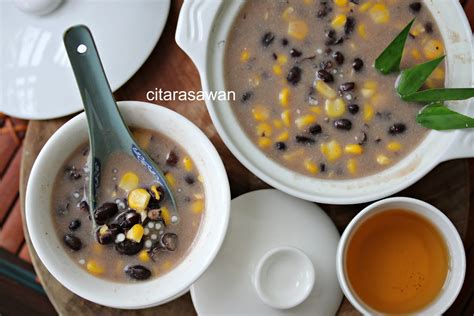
{"type": "Point", "coordinates": [36, 80]}
{"type": "Point", "coordinates": [261, 221]}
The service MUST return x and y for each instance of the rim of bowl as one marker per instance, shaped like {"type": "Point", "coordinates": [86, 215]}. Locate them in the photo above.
{"type": "Point", "coordinates": [444, 223]}
{"type": "Point", "coordinates": [35, 232]}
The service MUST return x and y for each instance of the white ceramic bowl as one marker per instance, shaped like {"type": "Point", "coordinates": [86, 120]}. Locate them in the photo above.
{"type": "Point", "coordinates": [202, 32]}
{"type": "Point", "coordinates": [457, 264]}
{"type": "Point", "coordinates": [141, 294]}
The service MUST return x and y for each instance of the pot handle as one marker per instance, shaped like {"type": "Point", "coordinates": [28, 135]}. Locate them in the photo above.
{"type": "Point", "coordinates": [195, 21]}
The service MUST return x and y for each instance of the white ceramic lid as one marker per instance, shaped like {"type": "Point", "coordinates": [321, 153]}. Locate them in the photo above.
{"type": "Point", "coordinates": [36, 79]}
{"type": "Point", "coordinates": [261, 221]}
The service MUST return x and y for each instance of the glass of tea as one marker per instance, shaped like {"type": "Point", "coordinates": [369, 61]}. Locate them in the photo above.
{"type": "Point", "coordinates": [401, 256]}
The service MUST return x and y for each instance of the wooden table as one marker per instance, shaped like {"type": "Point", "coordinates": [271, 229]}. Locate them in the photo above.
{"type": "Point", "coordinates": [169, 68]}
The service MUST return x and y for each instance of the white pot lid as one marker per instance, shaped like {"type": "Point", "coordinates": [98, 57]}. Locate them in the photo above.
{"type": "Point", "coordinates": [36, 79]}
{"type": "Point", "coordinates": [262, 223]}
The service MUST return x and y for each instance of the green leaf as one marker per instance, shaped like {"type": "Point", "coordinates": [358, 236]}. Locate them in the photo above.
{"type": "Point", "coordinates": [437, 116]}
{"type": "Point", "coordinates": [389, 60]}
{"type": "Point", "coordinates": [433, 95]}
{"type": "Point", "coordinates": [412, 79]}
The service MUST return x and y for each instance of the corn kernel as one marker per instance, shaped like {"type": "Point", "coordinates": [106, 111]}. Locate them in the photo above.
{"type": "Point", "coordinates": [325, 90]}
{"type": "Point", "coordinates": [315, 109]}
{"type": "Point", "coordinates": [332, 150]}
{"type": "Point", "coordinates": [260, 113]}
{"type": "Point", "coordinates": [165, 214]}
{"type": "Point", "coordinates": [298, 29]}
{"type": "Point", "coordinates": [417, 29]}
{"type": "Point", "coordinates": [339, 21]}
{"type": "Point", "coordinates": [394, 146]}
{"type": "Point", "coordinates": [305, 120]}
{"type": "Point", "coordinates": [94, 267]}
{"type": "Point", "coordinates": [264, 129]}
{"type": "Point", "coordinates": [167, 265]}
{"type": "Point", "coordinates": [379, 13]}
{"type": "Point", "coordinates": [369, 88]}
{"type": "Point", "coordinates": [364, 7]}
{"type": "Point", "coordinates": [415, 53]}
{"type": "Point", "coordinates": [438, 74]}
{"type": "Point", "coordinates": [129, 181]}
{"type": "Point", "coordinates": [292, 155]}
{"type": "Point", "coordinates": [288, 13]}
{"type": "Point", "coordinates": [156, 194]}
{"type": "Point", "coordinates": [354, 149]}
{"type": "Point", "coordinates": [341, 3]}
{"type": "Point", "coordinates": [143, 256]}
{"type": "Point", "coordinates": [245, 55]}
{"type": "Point", "coordinates": [383, 160]}
{"type": "Point", "coordinates": [368, 112]}
{"type": "Point", "coordinates": [433, 49]}
{"type": "Point", "coordinates": [187, 163]}
{"type": "Point", "coordinates": [311, 166]}
{"type": "Point", "coordinates": [277, 69]}
{"type": "Point", "coordinates": [254, 81]}
{"type": "Point", "coordinates": [283, 137]}
{"type": "Point", "coordinates": [170, 179]}
{"type": "Point", "coordinates": [138, 199]}
{"type": "Point", "coordinates": [335, 108]}
{"type": "Point", "coordinates": [282, 59]}
{"type": "Point", "coordinates": [142, 138]}
{"type": "Point", "coordinates": [264, 142]}
{"type": "Point", "coordinates": [278, 123]}
{"type": "Point", "coordinates": [362, 31]}
{"type": "Point", "coordinates": [135, 233]}
{"type": "Point", "coordinates": [197, 206]}
{"type": "Point", "coordinates": [284, 96]}
{"type": "Point", "coordinates": [286, 118]}
{"type": "Point", "coordinates": [352, 166]}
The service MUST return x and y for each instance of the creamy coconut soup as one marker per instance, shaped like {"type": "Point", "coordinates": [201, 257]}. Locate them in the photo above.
{"type": "Point", "coordinates": [138, 235]}
{"type": "Point", "coordinates": [307, 92]}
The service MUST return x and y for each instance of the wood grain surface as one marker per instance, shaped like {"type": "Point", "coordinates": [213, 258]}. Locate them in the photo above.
{"type": "Point", "coordinates": [447, 186]}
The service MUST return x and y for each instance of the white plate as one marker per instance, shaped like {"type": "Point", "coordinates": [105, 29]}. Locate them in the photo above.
{"type": "Point", "coordinates": [260, 221]}
{"type": "Point", "coordinates": [36, 79]}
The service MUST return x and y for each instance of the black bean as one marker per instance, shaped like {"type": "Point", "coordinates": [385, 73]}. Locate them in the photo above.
{"type": "Point", "coordinates": [334, 41]}
{"type": "Point", "coordinates": [397, 128]}
{"type": "Point", "coordinates": [104, 212]}
{"type": "Point", "coordinates": [325, 76]}
{"type": "Point", "coordinates": [305, 140]}
{"type": "Point", "coordinates": [169, 241]}
{"type": "Point", "coordinates": [267, 39]}
{"type": "Point", "coordinates": [347, 86]}
{"type": "Point", "coordinates": [343, 124]}
{"type": "Point", "coordinates": [284, 42]}
{"type": "Point", "coordinates": [322, 167]}
{"type": "Point", "coordinates": [323, 10]}
{"type": "Point", "coordinates": [137, 272]}
{"type": "Point", "coordinates": [355, 1]}
{"type": "Point", "coordinates": [129, 247]}
{"type": "Point", "coordinates": [280, 146]}
{"type": "Point", "coordinates": [294, 75]}
{"type": "Point", "coordinates": [128, 218]}
{"type": "Point", "coordinates": [315, 129]}
{"type": "Point", "coordinates": [189, 178]}
{"type": "Point", "coordinates": [84, 206]}
{"type": "Point", "coordinates": [172, 158]}
{"type": "Point", "coordinates": [361, 138]}
{"type": "Point", "coordinates": [357, 64]}
{"type": "Point", "coordinates": [338, 57]}
{"type": "Point", "coordinates": [353, 108]}
{"type": "Point", "coordinates": [429, 27]}
{"type": "Point", "coordinates": [295, 53]}
{"type": "Point", "coordinates": [275, 57]}
{"type": "Point", "coordinates": [349, 26]}
{"type": "Point", "coordinates": [72, 242]}
{"type": "Point", "coordinates": [415, 6]}
{"type": "Point", "coordinates": [115, 229]}
{"type": "Point", "coordinates": [74, 224]}
{"type": "Point", "coordinates": [326, 65]}
{"type": "Point", "coordinates": [103, 235]}
{"type": "Point", "coordinates": [245, 97]}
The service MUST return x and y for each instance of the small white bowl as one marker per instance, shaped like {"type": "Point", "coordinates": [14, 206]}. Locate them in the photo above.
{"type": "Point", "coordinates": [138, 294]}
{"type": "Point", "coordinates": [457, 264]}
{"type": "Point", "coordinates": [284, 277]}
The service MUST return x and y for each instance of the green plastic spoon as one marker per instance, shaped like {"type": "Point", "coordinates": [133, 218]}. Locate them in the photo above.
{"type": "Point", "coordinates": [108, 133]}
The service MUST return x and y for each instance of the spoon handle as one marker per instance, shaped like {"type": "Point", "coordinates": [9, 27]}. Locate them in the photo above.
{"type": "Point", "coordinates": [104, 119]}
